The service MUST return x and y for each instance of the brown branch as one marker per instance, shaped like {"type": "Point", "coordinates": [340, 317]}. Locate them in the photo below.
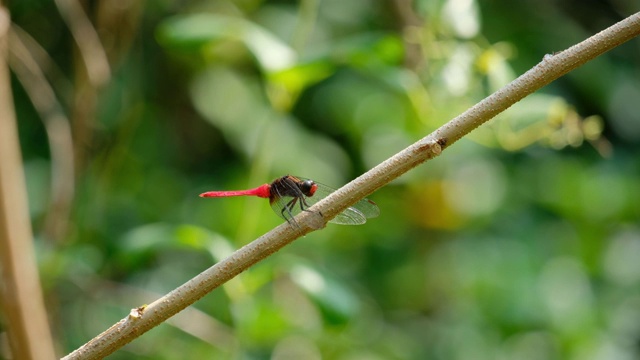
{"type": "Point", "coordinates": [552, 67]}
{"type": "Point", "coordinates": [22, 300]}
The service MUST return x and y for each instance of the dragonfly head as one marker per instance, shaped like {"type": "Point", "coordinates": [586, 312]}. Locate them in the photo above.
{"type": "Point", "coordinates": [308, 187]}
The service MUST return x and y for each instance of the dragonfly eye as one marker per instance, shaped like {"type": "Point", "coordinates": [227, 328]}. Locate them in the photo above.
{"type": "Point", "coordinates": [308, 187]}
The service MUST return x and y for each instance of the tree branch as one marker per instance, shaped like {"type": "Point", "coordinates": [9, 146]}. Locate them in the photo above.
{"type": "Point", "coordinates": [550, 68]}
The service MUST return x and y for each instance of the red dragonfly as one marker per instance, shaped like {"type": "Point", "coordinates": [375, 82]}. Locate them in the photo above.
{"type": "Point", "coordinates": [286, 192]}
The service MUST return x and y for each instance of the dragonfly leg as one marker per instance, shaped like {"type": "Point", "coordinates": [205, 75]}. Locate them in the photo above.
{"type": "Point", "coordinates": [304, 205]}
{"type": "Point", "coordinates": [304, 201]}
{"type": "Point", "coordinates": [288, 207]}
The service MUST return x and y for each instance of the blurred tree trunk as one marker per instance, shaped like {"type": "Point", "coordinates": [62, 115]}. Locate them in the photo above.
{"type": "Point", "coordinates": [22, 300]}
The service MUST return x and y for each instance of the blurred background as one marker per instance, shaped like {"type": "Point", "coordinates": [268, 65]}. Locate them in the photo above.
{"type": "Point", "coordinates": [521, 241]}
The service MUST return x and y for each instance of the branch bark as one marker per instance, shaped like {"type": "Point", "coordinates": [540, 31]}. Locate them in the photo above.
{"type": "Point", "coordinates": [22, 300]}
{"type": "Point", "coordinates": [550, 68]}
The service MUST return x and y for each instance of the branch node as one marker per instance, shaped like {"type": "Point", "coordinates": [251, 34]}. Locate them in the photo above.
{"type": "Point", "coordinates": [136, 313]}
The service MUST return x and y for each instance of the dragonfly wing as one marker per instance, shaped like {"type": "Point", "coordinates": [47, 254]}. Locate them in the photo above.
{"type": "Point", "coordinates": [351, 216]}
{"type": "Point", "coordinates": [354, 215]}
{"type": "Point", "coordinates": [367, 207]}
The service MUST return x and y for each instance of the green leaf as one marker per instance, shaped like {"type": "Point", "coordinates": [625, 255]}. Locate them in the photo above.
{"type": "Point", "coordinates": [193, 32]}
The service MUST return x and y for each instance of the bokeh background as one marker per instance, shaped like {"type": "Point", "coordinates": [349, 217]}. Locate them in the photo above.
{"type": "Point", "coordinates": [521, 241]}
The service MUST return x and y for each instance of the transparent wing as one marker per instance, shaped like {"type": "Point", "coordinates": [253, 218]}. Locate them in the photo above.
{"type": "Point", "coordinates": [350, 216]}
{"type": "Point", "coordinates": [358, 213]}
{"type": "Point", "coordinates": [354, 215]}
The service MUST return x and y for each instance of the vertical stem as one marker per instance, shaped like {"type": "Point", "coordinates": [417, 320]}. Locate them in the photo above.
{"type": "Point", "coordinates": [21, 295]}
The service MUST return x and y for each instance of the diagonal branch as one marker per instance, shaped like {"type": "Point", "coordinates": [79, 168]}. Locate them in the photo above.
{"type": "Point", "coordinates": [550, 68]}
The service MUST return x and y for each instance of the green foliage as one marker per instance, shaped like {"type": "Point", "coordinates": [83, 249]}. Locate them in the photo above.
{"type": "Point", "coordinates": [520, 241]}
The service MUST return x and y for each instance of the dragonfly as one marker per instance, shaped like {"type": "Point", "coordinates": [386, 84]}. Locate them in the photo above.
{"type": "Point", "coordinates": [289, 195]}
